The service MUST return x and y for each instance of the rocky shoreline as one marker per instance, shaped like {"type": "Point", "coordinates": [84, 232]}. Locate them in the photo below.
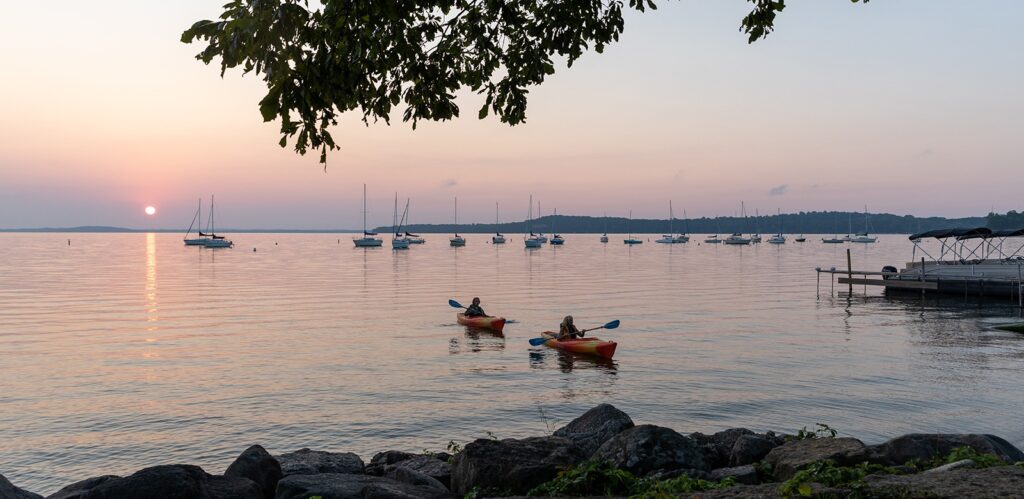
{"type": "Point", "coordinates": [601, 453]}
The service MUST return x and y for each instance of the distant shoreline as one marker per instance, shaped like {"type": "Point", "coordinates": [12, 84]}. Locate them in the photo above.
{"type": "Point", "coordinates": [823, 222]}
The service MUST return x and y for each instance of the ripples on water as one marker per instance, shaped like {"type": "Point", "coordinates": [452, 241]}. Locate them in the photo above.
{"type": "Point", "coordinates": [128, 350]}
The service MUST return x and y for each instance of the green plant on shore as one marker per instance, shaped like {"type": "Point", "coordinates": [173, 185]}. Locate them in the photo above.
{"type": "Point", "coordinates": [958, 454]}
{"type": "Point", "coordinates": [822, 430]}
{"type": "Point", "coordinates": [601, 478]}
{"type": "Point", "coordinates": [827, 473]}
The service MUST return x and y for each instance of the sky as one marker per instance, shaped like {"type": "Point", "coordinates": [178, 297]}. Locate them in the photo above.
{"type": "Point", "coordinates": [907, 107]}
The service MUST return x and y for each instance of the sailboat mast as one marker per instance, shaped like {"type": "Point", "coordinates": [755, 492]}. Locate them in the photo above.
{"type": "Point", "coordinates": [364, 210]}
{"type": "Point", "coordinates": [671, 217]}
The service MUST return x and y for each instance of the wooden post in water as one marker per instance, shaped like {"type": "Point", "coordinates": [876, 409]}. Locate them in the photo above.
{"type": "Point", "coordinates": [849, 270]}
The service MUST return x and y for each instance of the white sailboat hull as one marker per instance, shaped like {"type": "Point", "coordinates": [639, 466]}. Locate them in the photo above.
{"type": "Point", "coordinates": [368, 242]}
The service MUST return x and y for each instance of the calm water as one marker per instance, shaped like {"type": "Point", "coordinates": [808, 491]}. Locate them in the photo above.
{"type": "Point", "coordinates": [128, 350]}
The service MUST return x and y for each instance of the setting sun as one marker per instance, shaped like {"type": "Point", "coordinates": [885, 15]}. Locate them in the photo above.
{"type": "Point", "coordinates": [150, 210]}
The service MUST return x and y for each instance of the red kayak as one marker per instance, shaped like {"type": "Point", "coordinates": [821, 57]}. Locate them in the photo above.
{"type": "Point", "coordinates": [592, 346]}
{"type": "Point", "coordinates": [484, 322]}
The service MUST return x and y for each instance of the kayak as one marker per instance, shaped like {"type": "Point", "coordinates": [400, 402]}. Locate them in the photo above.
{"type": "Point", "coordinates": [484, 322]}
{"type": "Point", "coordinates": [592, 346]}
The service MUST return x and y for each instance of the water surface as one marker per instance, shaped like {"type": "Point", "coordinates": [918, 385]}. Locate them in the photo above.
{"type": "Point", "coordinates": [121, 351]}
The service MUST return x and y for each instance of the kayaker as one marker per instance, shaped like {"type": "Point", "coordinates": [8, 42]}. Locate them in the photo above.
{"type": "Point", "coordinates": [474, 310]}
{"type": "Point", "coordinates": [568, 330]}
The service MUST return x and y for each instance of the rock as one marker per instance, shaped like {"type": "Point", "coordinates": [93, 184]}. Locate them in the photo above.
{"type": "Point", "coordinates": [78, 489]}
{"type": "Point", "coordinates": [350, 486]}
{"type": "Point", "coordinates": [745, 474]}
{"type": "Point", "coordinates": [413, 477]}
{"type": "Point", "coordinates": [648, 448]}
{"type": "Point", "coordinates": [925, 446]}
{"type": "Point", "coordinates": [790, 457]}
{"type": "Point", "coordinates": [750, 449]}
{"type": "Point", "coordinates": [511, 466]}
{"type": "Point", "coordinates": [173, 482]}
{"type": "Point", "coordinates": [9, 491]}
{"type": "Point", "coordinates": [256, 464]}
{"type": "Point", "coordinates": [389, 457]}
{"type": "Point", "coordinates": [1000, 481]}
{"type": "Point", "coordinates": [958, 465]}
{"type": "Point", "coordinates": [311, 462]}
{"type": "Point", "coordinates": [763, 491]}
{"type": "Point", "coordinates": [718, 447]}
{"type": "Point", "coordinates": [595, 427]}
{"type": "Point", "coordinates": [434, 468]}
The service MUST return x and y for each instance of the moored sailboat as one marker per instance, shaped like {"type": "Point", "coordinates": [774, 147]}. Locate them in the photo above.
{"type": "Point", "coordinates": [369, 239]}
{"type": "Point", "coordinates": [200, 240]}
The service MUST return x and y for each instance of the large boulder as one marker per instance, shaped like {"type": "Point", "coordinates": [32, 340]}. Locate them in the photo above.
{"type": "Point", "coordinates": [174, 481]}
{"type": "Point", "coordinates": [925, 446]}
{"type": "Point", "coordinates": [428, 465]}
{"type": "Point", "coordinates": [595, 427]}
{"type": "Point", "coordinates": [413, 477]}
{"type": "Point", "coordinates": [749, 449]}
{"type": "Point", "coordinates": [790, 457]}
{"type": "Point", "coordinates": [645, 449]}
{"type": "Point", "coordinates": [718, 446]}
{"type": "Point", "coordinates": [1001, 481]}
{"type": "Point", "coordinates": [9, 491]}
{"type": "Point", "coordinates": [256, 464]}
{"type": "Point", "coordinates": [312, 462]}
{"type": "Point", "coordinates": [349, 486]}
{"type": "Point", "coordinates": [511, 466]}
{"type": "Point", "coordinates": [79, 489]}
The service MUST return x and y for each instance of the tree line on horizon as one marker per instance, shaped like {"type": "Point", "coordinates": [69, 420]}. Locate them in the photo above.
{"type": "Point", "coordinates": [813, 222]}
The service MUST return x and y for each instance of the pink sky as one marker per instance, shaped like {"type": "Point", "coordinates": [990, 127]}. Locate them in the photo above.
{"type": "Point", "coordinates": [904, 108]}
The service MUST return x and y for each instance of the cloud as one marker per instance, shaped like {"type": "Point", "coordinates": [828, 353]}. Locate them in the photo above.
{"type": "Point", "coordinates": [449, 183]}
{"type": "Point", "coordinates": [778, 190]}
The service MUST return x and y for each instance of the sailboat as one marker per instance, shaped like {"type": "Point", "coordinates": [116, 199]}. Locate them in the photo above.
{"type": "Point", "coordinates": [631, 240]}
{"type": "Point", "coordinates": [556, 239]}
{"type": "Point", "coordinates": [196, 241]}
{"type": "Point", "coordinates": [714, 239]}
{"type": "Point", "coordinates": [835, 239]}
{"type": "Point", "coordinates": [412, 238]}
{"type": "Point", "coordinates": [671, 237]}
{"type": "Point", "coordinates": [685, 236]}
{"type": "Point", "coordinates": [756, 238]}
{"type": "Point", "coordinates": [800, 238]}
{"type": "Point", "coordinates": [863, 237]}
{"type": "Point", "coordinates": [737, 238]}
{"type": "Point", "coordinates": [604, 237]}
{"type": "Point", "coordinates": [215, 241]}
{"type": "Point", "coordinates": [497, 238]}
{"type": "Point", "coordinates": [532, 240]}
{"type": "Point", "coordinates": [369, 239]}
{"type": "Point", "coordinates": [457, 240]}
{"type": "Point", "coordinates": [778, 238]}
{"type": "Point", "coordinates": [397, 241]}
{"type": "Point", "coordinates": [540, 235]}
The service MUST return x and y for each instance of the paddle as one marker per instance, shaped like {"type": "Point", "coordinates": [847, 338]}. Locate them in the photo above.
{"type": "Point", "coordinates": [456, 304]}
{"type": "Point", "coordinates": [611, 325]}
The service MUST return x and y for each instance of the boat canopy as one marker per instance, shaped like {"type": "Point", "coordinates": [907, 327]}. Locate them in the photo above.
{"type": "Point", "coordinates": [996, 233]}
{"type": "Point", "coordinates": [410, 234]}
{"type": "Point", "coordinates": [367, 233]}
{"type": "Point", "coordinates": [947, 233]}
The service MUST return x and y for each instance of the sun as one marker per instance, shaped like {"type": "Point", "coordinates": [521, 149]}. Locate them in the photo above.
{"type": "Point", "coordinates": [150, 210]}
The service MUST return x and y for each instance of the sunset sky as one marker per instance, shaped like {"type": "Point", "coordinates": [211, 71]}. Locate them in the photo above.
{"type": "Point", "coordinates": [905, 106]}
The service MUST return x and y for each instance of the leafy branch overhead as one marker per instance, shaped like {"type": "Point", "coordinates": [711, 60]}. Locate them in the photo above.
{"type": "Point", "coordinates": [375, 55]}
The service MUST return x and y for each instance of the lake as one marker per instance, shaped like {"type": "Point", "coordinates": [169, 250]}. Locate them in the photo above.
{"type": "Point", "coordinates": [121, 351]}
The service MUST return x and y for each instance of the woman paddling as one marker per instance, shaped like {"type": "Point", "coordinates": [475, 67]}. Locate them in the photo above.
{"type": "Point", "coordinates": [568, 330]}
{"type": "Point", "coordinates": [474, 310]}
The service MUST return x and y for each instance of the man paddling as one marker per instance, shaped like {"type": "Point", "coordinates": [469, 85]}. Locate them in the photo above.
{"type": "Point", "coordinates": [474, 310]}
{"type": "Point", "coordinates": [568, 330]}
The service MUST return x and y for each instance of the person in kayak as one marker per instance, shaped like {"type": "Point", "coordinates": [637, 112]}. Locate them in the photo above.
{"type": "Point", "coordinates": [474, 310]}
{"type": "Point", "coordinates": [567, 330]}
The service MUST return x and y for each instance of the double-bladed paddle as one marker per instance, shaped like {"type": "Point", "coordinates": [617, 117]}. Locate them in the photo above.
{"type": "Point", "coordinates": [456, 304]}
{"type": "Point", "coordinates": [611, 325]}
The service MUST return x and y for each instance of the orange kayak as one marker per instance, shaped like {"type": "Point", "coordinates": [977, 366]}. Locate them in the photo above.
{"type": "Point", "coordinates": [485, 322]}
{"type": "Point", "coordinates": [592, 346]}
